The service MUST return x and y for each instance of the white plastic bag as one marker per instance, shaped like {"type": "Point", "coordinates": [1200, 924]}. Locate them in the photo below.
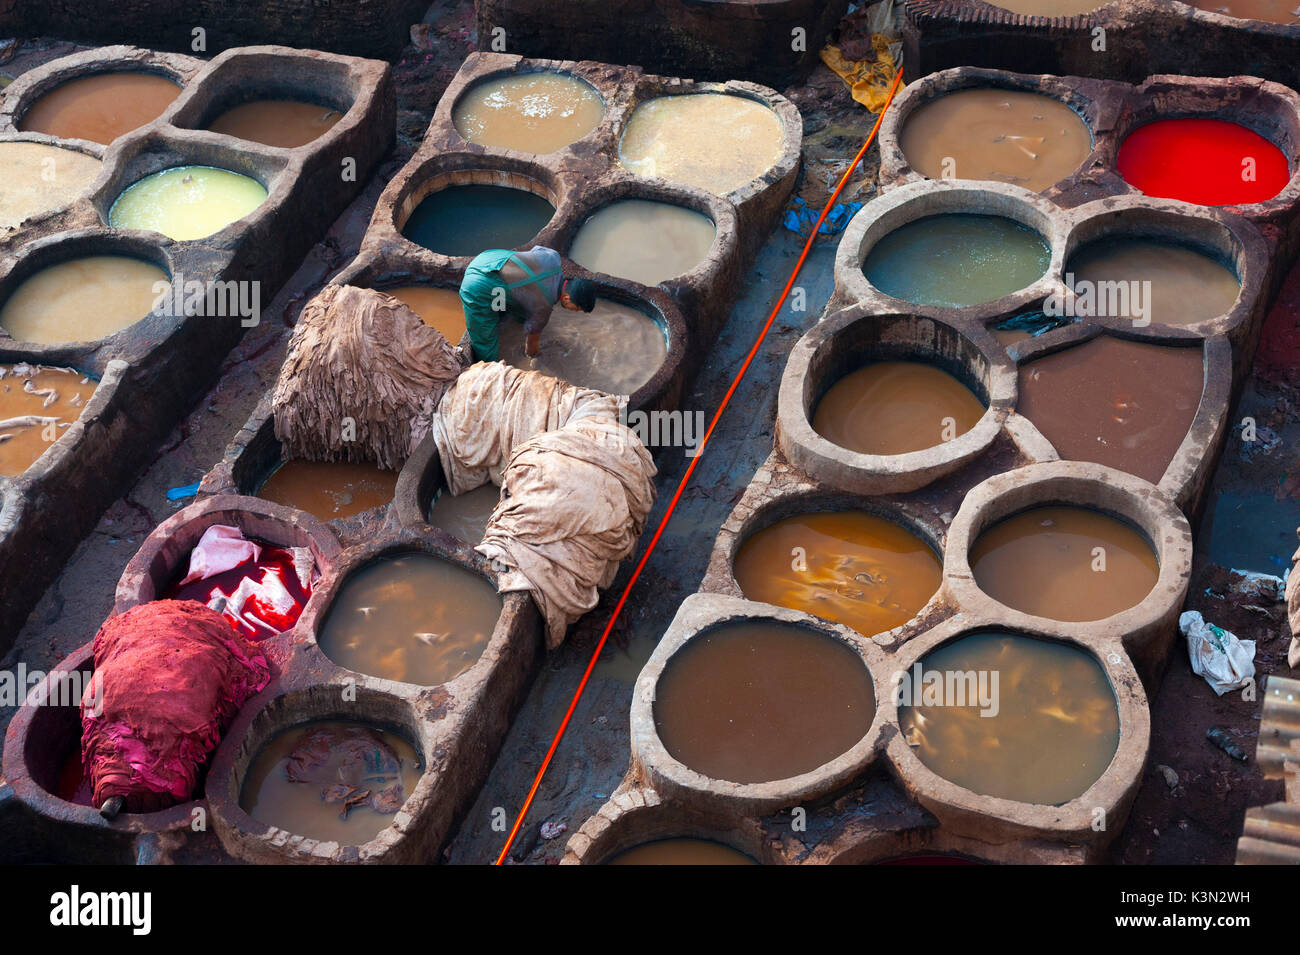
{"type": "Point", "coordinates": [1225, 662]}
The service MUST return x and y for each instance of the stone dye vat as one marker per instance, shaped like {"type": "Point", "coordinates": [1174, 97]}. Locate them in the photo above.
{"type": "Point", "coordinates": [894, 407]}
{"type": "Point", "coordinates": [465, 516]}
{"type": "Point", "coordinates": [329, 490]}
{"type": "Point", "coordinates": [285, 123]}
{"type": "Point", "coordinates": [1039, 723]}
{"type": "Point", "coordinates": [1016, 136]}
{"type": "Point", "coordinates": [439, 307]}
{"type": "Point", "coordinates": [715, 41]}
{"type": "Point", "coordinates": [756, 702]}
{"type": "Point", "coordinates": [37, 404]}
{"type": "Point", "coordinates": [613, 348]}
{"type": "Point", "coordinates": [1064, 563]}
{"type": "Point", "coordinates": [462, 221]}
{"type": "Point", "coordinates": [850, 567]}
{"type": "Point", "coordinates": [644, 241]}
{"type": "Point", "coordinates": [82, 299]}
{"type": "Point", "coordinates": [1125, 404]}
{"type": "Point", "coordinates": [75, 292]}
{"type": "Point", "coordinates": [956, 259]}
{"type": "Point", "coordinates": [536, 112]}
{"type": "Point", "coordinates": [1186, 286]}
{"type": "Point", "coordinates": [331, 780]}
{"type": "Point", "coordinates": [30, 191]}
{"type": "Point", "coordinates": [1153, 159]}
{"type": "Point", "coordinates": [713, 141]}
{"type": "Point", "coordinates": [187, 202]}
{"type": "Point", "coordinates": [100, 107]}
{"type": "Point", "coordinates": [1143, 37]}
{"type": "Point", "coordinates": [410, 618]}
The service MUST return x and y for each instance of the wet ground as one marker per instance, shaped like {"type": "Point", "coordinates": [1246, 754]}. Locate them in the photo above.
{"type": "Point", "coordinates": [1249, 524]}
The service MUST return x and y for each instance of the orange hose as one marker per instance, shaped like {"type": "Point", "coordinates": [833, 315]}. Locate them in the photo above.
{"type": "Point", "coordinates": [681, 485]}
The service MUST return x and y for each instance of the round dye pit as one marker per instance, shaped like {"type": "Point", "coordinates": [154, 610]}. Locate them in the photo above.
{"type": "Point", "coordinates": [1124, 404]}
{"type": "Point", "coordinates": [1064, 563]}
{"type": "Point", "coordinates": [645, 241]}
{"type": "Point", "coordinates": [82, 299]}
{"type": "Point", "coordinates": [40, 179]}
{"type": "Point", "coordinates": [37, 404]}
{"type": "Point", "coordinates": [187, 202]}
{"type": "Point", "coordinates": [1011, 717]}
{"type": "Point", "coordinates": [1210, 162]}
{"type": "Point", "coordinates": [895, 407]}
{"type": "Point", "coordinates": [1185, 286]}
{"type": "Point", "coordinates": [465, 516]}
{"type": "Point", "coordinates": [528, 112]}
{"type": "Point", "coordinates": [335, 781]}
{"type": "Point", "coordinates": [440, 308]}
{"type": "Point", "coordinates": [467, 220]}
{"type": "Point", "coordinates": [758, 702]}
{"type": "Point", "coordinates": [1013, 136]}
{"type": "Point", "coordinates": [1271, 11]}
{"type": "Point", "coordinates": [681, 852]}
{"type": "Point", "coordinates": [849, 567]}
{"type": "Point", "coordinates": [1050, 8]}
{"type": "Point", "coordinates": [263, 595]}
{"type": "Point", "coordinates": [714, 141]}
{"type": "Point", "coordinates": [285, 123]}
{"type": "Point", "coordinates": [329, 490]}
{"type": "Point", "coordinates": [413, 618]}
{"type": "Point", "coordinates": [613, 348]}
{"type": "Point", "coordinates": [957, 259]}
{"type": "Point", "coordinates": [100, 108]}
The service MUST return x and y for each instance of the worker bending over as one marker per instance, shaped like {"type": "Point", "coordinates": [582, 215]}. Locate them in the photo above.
{"type": "Point", "coordinates": [525, 286]}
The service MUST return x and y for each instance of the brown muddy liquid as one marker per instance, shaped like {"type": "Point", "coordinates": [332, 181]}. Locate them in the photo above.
{"type": "Point", "coordinates": [1120, 403]}
{"type": "Point", "coordinates": [715, 141]}
{"type": "Point", "coordinates": [22, 440]}
{"type": "Point", "coordinates": [465, 515]}
{"type": "Point", "coordinates": [38, 180]}
{"type": "Point", "coordinates": [1186, 286]}
{"type": "Point", "coordinates": [681, 852]}
{"type": "Point", "coordinates": [100, 108]}
{"type": "Point", "coordinates": [1055, 730]}
{"type": "Point", "coordinates": [311, 802]}
{"type": "Point", "coordinates": [438, 307]}
{"type": "Point", "coordinates": [529, 112]}
{"type": "Point", "coordinates": [1042, 562]}
{"type": "Point", "coordinates": [893, 407]}
{"type": "Point", "coordinates": [754, 702]}
{"type": "Point", "coordinates": [82, 299]}
{"type": "Point", "coordinates": [1272, 11]}
{"type": "Point", "coordinates": [647, 242]}
{"type": "Point", "coordinates": [276, 122]}
{"type": "Point", "coordinates": [613, 348]}
{"type": "Point", "coordinates": [1050, 8]}
{"type": "Point", "coordinates": [850, 567]}
{"type": "Point", "coordinates": [329, 490]}
{"type": "Point", "coordinates": [411, 618]}
{"type": "Point", "coordinates": [1013, 136]}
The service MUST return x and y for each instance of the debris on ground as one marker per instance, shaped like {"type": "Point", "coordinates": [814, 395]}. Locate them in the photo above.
{"type": "Point", "coordinates": [1221, 738]}
{"type": "Point", "coordinates": [1225, 662]}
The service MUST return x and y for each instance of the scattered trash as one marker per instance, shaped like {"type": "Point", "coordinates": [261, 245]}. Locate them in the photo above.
{"type": "Point", "coordinates": [1171, 777]}
{"type": "Point", "coordinates": [1249, 583]}
{"type": "Point", "coordinates": [1216, 654]}
{"type": "Point", "coordinates": [182, 492]}
{"type": "Point", "coordinates": [552, 829]}
{"type": "Point", "coordinates": [801, 217]}
{"type": "Point", "coordinates": [1220, 738]}
{"type": "Point", "coordinates": [1033, 321]}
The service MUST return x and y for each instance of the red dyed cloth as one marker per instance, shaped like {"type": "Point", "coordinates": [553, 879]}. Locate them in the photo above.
{"type": "Point", "coordinates": [169, 677]}
{"type": "Point", "coordinates": [262, 591]}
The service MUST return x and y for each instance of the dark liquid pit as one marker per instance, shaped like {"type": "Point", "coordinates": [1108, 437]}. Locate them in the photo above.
{"type": "Point", "coordinates": [681, 852]}
{"type": "Point", "coordinates": [467, 220]}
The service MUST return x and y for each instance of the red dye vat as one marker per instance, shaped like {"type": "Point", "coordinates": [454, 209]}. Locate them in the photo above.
{"type": "Point", "coordinates": [1203, 161]}
{"type": "Point", "coordinates": [73, 786]}
{"type": "Point", "coordinates": [275, 597]}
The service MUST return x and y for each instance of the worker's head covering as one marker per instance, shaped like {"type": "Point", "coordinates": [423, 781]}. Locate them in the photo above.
{"type": "Point", "coordinates": [582, 293]}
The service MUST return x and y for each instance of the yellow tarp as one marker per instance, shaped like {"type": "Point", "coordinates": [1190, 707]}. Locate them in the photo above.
{"type": "Point", "coordinates": [869, 82]}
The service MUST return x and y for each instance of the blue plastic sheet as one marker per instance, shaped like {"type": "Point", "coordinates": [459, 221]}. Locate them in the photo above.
{"type": "Point", "coordinates": [801, 217]}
